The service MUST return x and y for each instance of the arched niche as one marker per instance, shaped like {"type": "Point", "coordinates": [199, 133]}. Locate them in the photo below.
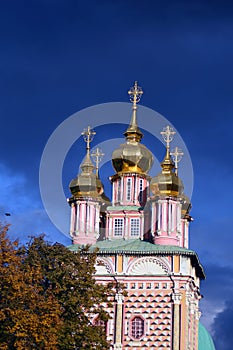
{"type": "Point", "coordinates": [103, 266]}
{"type": "Point", "coordinates": [148, 266]}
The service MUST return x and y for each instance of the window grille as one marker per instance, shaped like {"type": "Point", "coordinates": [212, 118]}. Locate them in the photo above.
{"type": "Point", "coordinates": [128, 189]}
{"type": "Point", "coordinates": [135, 227]}
{"type": "Point", "coordinates": [140, 190]}
{"type": "Point", "coordinates": [118, 227]}
{"type": "Point", "coordinates": [119, 190]}
{"type": "Point", "coordinates": [137, 327]}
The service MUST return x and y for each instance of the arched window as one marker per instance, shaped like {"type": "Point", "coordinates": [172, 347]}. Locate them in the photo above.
{"type": "Point", "coordinates": [137, 327]}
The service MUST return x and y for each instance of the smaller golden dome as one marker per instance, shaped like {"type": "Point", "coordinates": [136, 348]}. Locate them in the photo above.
{"type": "Point", "coordinates": [167, 182]}
{"type": "Point", "coordinates": [85, 184]}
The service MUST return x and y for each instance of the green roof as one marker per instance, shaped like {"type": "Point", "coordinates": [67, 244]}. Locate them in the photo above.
{"type": "Point", "coordinates": [139, 247]}
{"type": "Point", "coordinates": [205, 341]}
{"type": "Point", "coordinates": [124, 207]}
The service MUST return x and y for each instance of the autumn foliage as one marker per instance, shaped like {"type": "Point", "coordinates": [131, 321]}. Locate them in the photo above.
{"type": "Point", "coordinates": [48, 297]}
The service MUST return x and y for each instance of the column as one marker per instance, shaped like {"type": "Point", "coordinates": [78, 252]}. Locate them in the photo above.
{"type": "Point", "coordinates": [77, 217]}
{"type": "Point", "coordinates": [118, 321]}
{"type": "Point", "coordinates": [159, 218]}
{"type": "Point", "coordinates": [153, 218]}
{"type": "Point", "coordinates": [72, 219]}
{"type": "Point", "coordinates": [97, 218]}
{"type": "Point", "coordinates": [176, 320]}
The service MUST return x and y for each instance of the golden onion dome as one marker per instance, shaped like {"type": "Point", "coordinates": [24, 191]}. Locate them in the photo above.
{"type": "Point", "coordinates": [167, 182]}
{"type": "Point", "coordinates": [132, 156]}
{"type": "Point", "coordinates": [85, 184]}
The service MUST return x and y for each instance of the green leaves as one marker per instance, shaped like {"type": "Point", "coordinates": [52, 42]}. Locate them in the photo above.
{"type": "Point", "coordinates": [48, 296]}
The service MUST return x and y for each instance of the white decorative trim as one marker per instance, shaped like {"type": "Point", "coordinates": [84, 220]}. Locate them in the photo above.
{"type": "Point", "coordinates": [148, 266]}
{"type": "Point", "coordinates": [103, 267]}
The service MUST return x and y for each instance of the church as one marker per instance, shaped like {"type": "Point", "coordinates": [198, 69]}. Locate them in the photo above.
{"type": "Point", "coordinates": [142, 236]}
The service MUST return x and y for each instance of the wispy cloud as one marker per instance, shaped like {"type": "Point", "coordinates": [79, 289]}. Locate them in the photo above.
{"type": "Point", "coordinates": [22, 202]}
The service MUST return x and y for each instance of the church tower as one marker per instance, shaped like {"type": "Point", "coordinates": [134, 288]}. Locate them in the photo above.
{"type": "Point", "coordinates": [144, 245]}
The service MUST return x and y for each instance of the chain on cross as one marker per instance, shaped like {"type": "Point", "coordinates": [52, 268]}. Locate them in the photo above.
{"type": "Point", "coordinates": [88, 135]}
{"type": "Point", "coordinates": [177, 154]}
{"type": "Point", "coordinates": [135, 94]}
{"type": "Point", "coordinates": [168, 134]}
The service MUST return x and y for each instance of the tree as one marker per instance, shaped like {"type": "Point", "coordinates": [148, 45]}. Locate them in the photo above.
{"type": "Point", "coordinates": [48, 297]}
{"type": "Point", "coordinates": [29, 316]}
{"type": "Point", "coordinates": [70, 276]}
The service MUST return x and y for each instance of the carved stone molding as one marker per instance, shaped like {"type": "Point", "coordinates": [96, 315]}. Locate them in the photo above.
{"type": "Point", "coordinates": [148, 266]}
{"type": "Point", "coordinates": [103, 267]}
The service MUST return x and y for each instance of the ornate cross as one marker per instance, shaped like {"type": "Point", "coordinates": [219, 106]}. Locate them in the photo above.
{"type": "Point", "coordinates": [88, 135]}
{"type": "Point", "coordinates": [97, 156]}
{"type": "Point", "coordinates": [177, 154]}
{"type": "Point", "coordinates": [135, 94]}
{"type": "Point", "coordinates": [168, 134]}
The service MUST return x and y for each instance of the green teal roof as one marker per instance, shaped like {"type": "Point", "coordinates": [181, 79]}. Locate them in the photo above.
{"type": "Point", "coordinates": [139, 247]}
{"type": "Point", "coordinates": [205, 341]}
{"type": "Point", "coordinates": [124, 207]}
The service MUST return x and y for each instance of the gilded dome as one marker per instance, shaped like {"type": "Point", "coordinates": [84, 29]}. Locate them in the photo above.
{"type": "Point", "coordinates": [85, 184]}
{"type": "Point", "coordinates": [132, 156]}
{"type": "Point", "coordinates": [167, 182]}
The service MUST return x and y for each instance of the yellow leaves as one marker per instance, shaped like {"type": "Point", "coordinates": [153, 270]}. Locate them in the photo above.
{"type": "Point", "coordinates": [46, 295]}
{"type": "Point", "coordinates": [29, 317]}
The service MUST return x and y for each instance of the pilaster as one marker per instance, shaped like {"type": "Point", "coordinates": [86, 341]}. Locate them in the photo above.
{"type": "Point", "coordinates": [176, 297]}
{"type": "Point", "coordinates": [118, 321]}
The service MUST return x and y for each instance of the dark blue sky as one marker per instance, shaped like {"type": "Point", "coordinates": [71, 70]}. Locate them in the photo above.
{"type": "Point", "coordinates": [58, 57]}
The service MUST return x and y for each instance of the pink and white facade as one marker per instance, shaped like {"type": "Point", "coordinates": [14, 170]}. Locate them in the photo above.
{"type": "Point", "coordinates": [142, 237]}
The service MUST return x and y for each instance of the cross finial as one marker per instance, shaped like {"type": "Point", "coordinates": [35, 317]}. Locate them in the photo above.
{"type": "Point", "coordinates": [88, 135]}
{"type": "Point", "coordinates": [167, 135]}
{"type": "Point", "coordinates": [97, 156]}
{"type": "Point", "coordinates": [177, 154]}
{"type": "Point", "coordinates": [135, 94]}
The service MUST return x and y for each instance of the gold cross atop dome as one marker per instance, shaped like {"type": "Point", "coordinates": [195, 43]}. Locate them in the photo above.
{"type": "Point", "coordinates": [135, 94]}
{"type": "Point", "coordinates": [97, 155]}
{"type": "Point", "coordinates": [88, 135]}
{"type": "Point", "coordinates": [177, 154]}
{"type": "Point", "coordinates": [168, 134]}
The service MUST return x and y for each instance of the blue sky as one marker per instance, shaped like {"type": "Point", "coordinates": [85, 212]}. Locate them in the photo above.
{"type": "Point", "coordinates": [58, 57]}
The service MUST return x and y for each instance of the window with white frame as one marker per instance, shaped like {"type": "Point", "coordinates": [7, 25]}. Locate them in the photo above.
{"type": "Point", "coordinates": [128, 189]}
{"type": "Point", "coordinates": [135, 227]}
{"type": "Point", "coordinates": [119, 190]}
{"type": "Point", "coordinates": [137, 327]}
{"type": "Point", "coordinates": [140, 190]}
{"type": "Point", "coordinates": [118, 227]}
